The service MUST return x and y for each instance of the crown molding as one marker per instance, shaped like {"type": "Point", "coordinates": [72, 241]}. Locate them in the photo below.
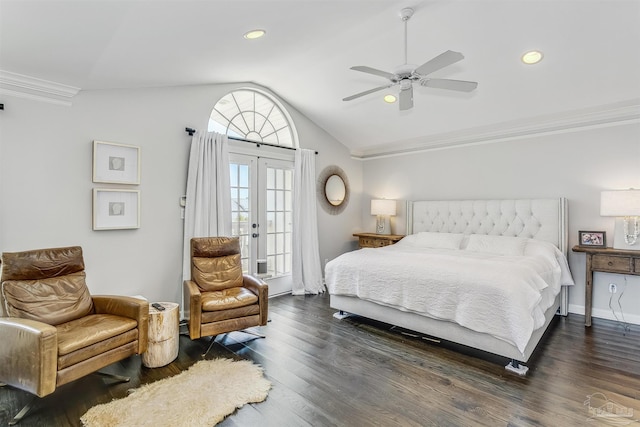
{"type": "Point", "coordinates": [22, 86]}
{"type": "Point", "coordinates": [571, 121]}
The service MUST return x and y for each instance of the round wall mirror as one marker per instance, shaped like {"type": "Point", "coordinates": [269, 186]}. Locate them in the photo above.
{"type": "Point", "coordinates": [333, 190]}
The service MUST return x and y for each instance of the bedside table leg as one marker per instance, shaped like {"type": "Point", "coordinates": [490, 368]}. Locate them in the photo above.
{"type": "Point", "coordinates": [588, 292]}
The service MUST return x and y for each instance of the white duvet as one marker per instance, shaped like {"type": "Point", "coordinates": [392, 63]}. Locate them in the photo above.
{"type": "Point", "coordinates": [501, 295]}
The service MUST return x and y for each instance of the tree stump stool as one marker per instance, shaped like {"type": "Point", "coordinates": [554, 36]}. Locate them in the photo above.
{"type": "Point", "coordinates": [163, 336]}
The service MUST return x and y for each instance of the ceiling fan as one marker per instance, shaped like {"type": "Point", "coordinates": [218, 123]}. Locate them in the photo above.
{"type": "Point", "coordinates": [405, 75]}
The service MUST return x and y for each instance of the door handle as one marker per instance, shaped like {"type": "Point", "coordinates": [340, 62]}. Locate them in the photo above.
{"type": "Point", "coordinates": [254, 235]}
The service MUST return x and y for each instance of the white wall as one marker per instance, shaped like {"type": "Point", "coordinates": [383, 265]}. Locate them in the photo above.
{"type": "Point", "coordinates": [575, 165]}
{"type": "Point", "coordinates": [45, 183]}
{"type": "Point", "coordinates": [46, 187]}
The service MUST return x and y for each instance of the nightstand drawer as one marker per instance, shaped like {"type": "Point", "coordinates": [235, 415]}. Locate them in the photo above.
{"type": "Point", "coordinates": [372, 240]}
{"type": "Point", "coordinates": [367, 242]}
{"type": "Point", "coordinates": [621, 264]}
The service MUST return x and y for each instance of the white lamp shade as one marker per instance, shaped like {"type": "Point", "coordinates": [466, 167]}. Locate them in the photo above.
{"type": "Point", "coordinates": [383, 207]}
{"type": "Point", "coordinates": [620, 203]}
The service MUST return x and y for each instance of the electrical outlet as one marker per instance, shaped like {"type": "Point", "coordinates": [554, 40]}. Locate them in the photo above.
{"type": "Point", "coordinates": [613, 288]}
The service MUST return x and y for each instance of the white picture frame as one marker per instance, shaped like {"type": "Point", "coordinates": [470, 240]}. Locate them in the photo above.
{"type": "Point", "coordinates": [116, 163]}
{"type": "Point", "coordinates": [116, 209]}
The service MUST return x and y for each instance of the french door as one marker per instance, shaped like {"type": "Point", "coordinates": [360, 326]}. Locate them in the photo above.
{"type": "Point", "coordinates": [261, 209]}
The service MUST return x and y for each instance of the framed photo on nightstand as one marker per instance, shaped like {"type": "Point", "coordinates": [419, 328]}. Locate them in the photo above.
{"type": "Point", "coordinates": [592, 239]}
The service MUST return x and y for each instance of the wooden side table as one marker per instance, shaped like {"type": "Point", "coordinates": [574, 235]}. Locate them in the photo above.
{"type": "Point", "coordinates": [606, 260]}
{"type": "Point", "coordinates": [373, 240]}
{"type": "Point", "coordinates": [163, 336]}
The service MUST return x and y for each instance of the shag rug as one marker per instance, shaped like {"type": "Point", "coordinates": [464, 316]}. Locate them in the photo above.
{"type": "Point", "coordinates": [200, 396]}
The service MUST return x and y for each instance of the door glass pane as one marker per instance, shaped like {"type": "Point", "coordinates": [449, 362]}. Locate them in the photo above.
{"type": "Point", "coordinates": [279, 212]}
{"type": "Point", "coordinates": [271, 200]}
{"type": "Point", "coordinates": [233, 168]}
{"type": "Point", "coordinates": [271, 243]}
{"type": "Point", "coordinates": [271, 222]}
{"type": "Point", "coordinates": [241, 210]}
{"type": "Point", "coordinates": [287, 222]}
{"type": "Point", "coordinates": [271, 178]}
{"type": "Point", "coordinates": [243, 175]}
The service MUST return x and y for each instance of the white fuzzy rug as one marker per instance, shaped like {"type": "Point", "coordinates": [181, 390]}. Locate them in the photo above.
{"type": "Point", "coordinates": [200, 396]}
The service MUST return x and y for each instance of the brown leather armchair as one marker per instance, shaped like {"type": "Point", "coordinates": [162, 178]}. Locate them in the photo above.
{"type": "Point", "coordinates": [52, 330]}
{"type": "Point", "coordinates": [219, 298]}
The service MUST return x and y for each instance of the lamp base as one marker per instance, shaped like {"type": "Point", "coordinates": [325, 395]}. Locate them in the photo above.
{"type": "Point", "coordinates": [618, 237]}
{"type": "Point", "coordinates": [383, 225]}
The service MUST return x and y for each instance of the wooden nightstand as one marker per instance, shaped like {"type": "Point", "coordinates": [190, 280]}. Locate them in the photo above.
{"type": "Point", "coordinates": [607, 260]}
{"type": "Point", "coordinates": [373, 240]}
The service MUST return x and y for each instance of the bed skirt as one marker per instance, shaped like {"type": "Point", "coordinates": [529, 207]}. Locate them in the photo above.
{"type": "Point", "coordinates": [446, 330]}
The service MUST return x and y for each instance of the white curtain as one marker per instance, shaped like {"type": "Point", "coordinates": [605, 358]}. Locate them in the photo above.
{"type": "Point", "coordinates": [208, 208]}
{"type": "Point", "coordinates": [307, 273]}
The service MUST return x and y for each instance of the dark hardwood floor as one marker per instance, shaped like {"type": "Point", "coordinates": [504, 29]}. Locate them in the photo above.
{"type": "Point", "coordinates": [356, 372]}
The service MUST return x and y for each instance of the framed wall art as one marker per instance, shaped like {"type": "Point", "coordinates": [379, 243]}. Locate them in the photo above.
{"type": "Point", "coordinates": [116, 163]}
{"type": "Point", "coordinates": [594, 239]}
{"type": "Point", "coordinates": [115, 209]}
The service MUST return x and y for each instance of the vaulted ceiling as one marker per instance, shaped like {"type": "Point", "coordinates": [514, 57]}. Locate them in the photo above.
{"type": "Point", "coordinates": [590, 73]}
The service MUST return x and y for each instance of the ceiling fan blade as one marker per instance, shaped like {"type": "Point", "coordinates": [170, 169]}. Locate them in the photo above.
{"type": "Point", "coordinates": [459, 85]}
{"type": "Point", "coordinates": [375, 71]}
{"type": "Point", "coordinates": [366, 92]}
{"type": "Point", "coordinates": [406, 99]}
{"type": "Point", "coordinates": [444, 59]}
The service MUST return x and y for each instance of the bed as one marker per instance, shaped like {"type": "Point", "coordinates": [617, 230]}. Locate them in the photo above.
{"type": "Point", "coordinates": [488, 274]}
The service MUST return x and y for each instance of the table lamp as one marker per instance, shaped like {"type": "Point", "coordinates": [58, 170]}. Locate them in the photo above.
{"type": "Point", "coordinates": [383, 208]}
{"type": "Point", "coordinates": [625, 205]}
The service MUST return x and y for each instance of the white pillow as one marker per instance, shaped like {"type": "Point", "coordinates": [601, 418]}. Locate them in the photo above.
{"type": "Point", "coordinates": [540, 248]}
{"type": "Point", "coordinates": [551, 253]}
{"type": "Point", "coordinates": [434, 240]}
{"type": "Point", "coordinates": [497, 245]}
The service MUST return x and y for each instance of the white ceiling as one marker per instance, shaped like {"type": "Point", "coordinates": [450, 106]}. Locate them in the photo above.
{"type": "Point", "coordinates": [591, 68]}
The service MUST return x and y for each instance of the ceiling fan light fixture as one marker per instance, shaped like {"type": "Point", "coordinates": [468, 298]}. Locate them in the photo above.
{"type": "Point", "coordinates": [390, 99]}
{"type": "Point", "coordinates": [254, 34]}
{"type": "Point", "coordinates": [405, 75]}
{"type": "Point", "coordinates": [532, 57]}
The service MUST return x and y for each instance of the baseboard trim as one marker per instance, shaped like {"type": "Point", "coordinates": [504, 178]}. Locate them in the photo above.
{"type": "Point", "coordinates": [600, 313]}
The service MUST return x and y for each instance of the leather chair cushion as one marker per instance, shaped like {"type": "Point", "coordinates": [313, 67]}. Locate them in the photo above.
{"type": "Point", "coordinates": [54, 301]}
{"type": "Point", "coordinates": [211, 247]}
{"type": "Point", "coordinates": [41, 263]}
{"type": "Point", "coordinates": [214, 274]}
{"type": "Point", "coordinates": [91, 329]}
{"type": "Point", "coordinates": [118, 342]}
{"type": "Point", "coordinates": [233, 313]}
{"type": "Point", "coordinates": [228, 299]}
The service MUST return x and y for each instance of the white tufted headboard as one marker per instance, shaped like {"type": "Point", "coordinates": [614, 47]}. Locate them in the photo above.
{"type": "Point", "coordinates": [542, 219]}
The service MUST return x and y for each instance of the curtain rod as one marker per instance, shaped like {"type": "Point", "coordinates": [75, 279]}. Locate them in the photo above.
{"type": "Point", "coordinates": [191, 131]}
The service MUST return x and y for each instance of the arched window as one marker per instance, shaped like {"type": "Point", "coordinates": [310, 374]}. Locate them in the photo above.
{"type": "Point", "coordinates": [254, 116]}
{"type": "Point", "coordinates": [261, 182]}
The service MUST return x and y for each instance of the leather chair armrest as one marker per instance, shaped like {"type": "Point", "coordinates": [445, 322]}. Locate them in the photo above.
{"type": "Point", "coordinates": [260, 288]}
{"type": "Point", "coordinates": [193, 308]}
{"type": "Point", "coordinates": [28, 355]}
{"type": "Point", "coordinates": [133, 308]}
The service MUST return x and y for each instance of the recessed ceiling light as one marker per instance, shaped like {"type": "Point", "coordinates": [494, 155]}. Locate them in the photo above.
{"type": "Point", "coordinates": [254, 34]}
{"type": "Point", "coordinates": [390, 99]}
{"type": "Point", "coordinates": [532, 57]}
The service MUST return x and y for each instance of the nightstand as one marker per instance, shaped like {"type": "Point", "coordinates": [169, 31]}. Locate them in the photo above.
{"type": "Point", "coordinates": [373, 240]}
{"type": "Point", "coordinates": [607, 260]}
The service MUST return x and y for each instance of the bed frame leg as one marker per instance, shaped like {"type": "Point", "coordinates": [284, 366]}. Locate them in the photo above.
{"type": "Point", "coordinates": [517, 368]}
{"type": "Point", "coordinates": [340, 314]}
